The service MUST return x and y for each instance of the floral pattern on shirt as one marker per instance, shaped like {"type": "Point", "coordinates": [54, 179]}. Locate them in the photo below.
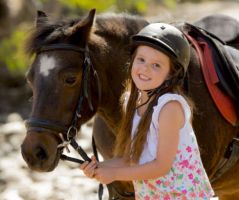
{"type": "Point", "coordinates": [187, 179]}
{"type": "Point", "coordinates": [174, 186]}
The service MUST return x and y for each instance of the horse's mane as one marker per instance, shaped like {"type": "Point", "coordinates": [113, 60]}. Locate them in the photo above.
{"type": "Point", "coordinates": [112, 25]}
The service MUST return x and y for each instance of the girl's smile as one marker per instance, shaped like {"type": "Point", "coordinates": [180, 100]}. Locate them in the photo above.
{"type": "Point", "coordinates": [143, 77]}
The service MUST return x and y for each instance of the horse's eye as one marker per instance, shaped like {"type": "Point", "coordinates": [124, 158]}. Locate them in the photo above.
{"type": "Point", "coordinates": [70, 80]}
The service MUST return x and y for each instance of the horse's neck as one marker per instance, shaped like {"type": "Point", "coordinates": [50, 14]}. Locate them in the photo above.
{"type": "Point", "coordinates": [111, 75]}
{"type": "Point", "coordinates": [110, 54]}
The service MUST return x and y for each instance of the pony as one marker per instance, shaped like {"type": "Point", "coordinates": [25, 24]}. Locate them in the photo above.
{"type": "Point", "coordinates": [79, 71]}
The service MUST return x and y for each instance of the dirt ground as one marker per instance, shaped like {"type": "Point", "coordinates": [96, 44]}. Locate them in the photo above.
{"type": "Point", "coordinates": [67, 182]}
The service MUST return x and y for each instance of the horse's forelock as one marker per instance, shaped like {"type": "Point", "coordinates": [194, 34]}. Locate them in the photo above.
{"type": "Point", "coordinates": [48, 33]}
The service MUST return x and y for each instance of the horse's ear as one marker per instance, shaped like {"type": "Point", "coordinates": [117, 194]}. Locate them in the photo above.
{"type": "Point", "coordinates": [41, 18]}
{"type": "Point", "coordinates": [81, 30]}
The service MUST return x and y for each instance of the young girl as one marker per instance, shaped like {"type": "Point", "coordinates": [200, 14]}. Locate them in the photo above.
{"type": "Point", "coordinates": [156, 147]}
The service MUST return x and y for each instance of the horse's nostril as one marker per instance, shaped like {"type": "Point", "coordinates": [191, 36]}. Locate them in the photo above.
{"type": "Point", "coordinates": [41, 154]}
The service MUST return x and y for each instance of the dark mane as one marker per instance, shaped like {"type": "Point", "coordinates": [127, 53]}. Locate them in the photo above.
{"type": "Point", "coordinates": [118, 25]}
{"type": "Point", "coordinates": [113, 25]}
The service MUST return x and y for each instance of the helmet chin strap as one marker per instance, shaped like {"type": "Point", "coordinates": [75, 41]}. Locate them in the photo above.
{"type": "Point", "coordinates": [152, 92]}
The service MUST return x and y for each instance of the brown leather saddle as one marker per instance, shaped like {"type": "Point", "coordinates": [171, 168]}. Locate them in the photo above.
{"type": "Point", "coordinates": [225, 60]}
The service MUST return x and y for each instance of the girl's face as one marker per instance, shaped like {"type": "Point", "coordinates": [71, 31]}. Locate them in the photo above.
{"type": "Point", "coordinates": [150, 68]}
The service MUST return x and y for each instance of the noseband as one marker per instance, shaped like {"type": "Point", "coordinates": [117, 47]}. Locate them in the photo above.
{"type": "Point", "coordinates": [40, 125]}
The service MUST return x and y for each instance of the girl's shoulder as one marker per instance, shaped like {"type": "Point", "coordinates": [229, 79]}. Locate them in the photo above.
{"type": "Point", "coordinates": [166, 98]}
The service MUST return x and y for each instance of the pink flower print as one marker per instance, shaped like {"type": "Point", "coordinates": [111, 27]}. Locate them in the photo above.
{"type": "Point", "coordinates": [158, 182]}
{"type": "Point", "coordinates": [201, 194]}
{"type": "Point", "coordinates": [178, 151]}
{"type": "Point", "coordinates": [156, 197]}
{"type": "Point", "coordinates": [184, 163]}
{"type": "Point", "coordinates": [198, 172]}
{"type": "Point", "coordinates": [166, 197]}
{"type": "Point", "coordinates": [184, 191]}
{"type": "Point", "coordinates": [196, 162]}
{"type": "Point", "coordinates": [147, 197]}
{"type": "Point", "coordinates": [166, 183]}
{"type": "Point", "coordinates": [190, 176]}
{"type": "Point", "coordinates": [195, 181]}
{"type": "Point", "coordinates": [192, 167]}
{"type": "Point", "coordinates": [189, 149]}
{"type": "Point", "coordinates": [151, 186]}
{"type": "Point", "coordinates": [193, 195]}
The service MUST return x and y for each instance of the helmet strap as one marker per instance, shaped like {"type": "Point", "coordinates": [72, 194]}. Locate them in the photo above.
{"type": "Point", "coordinates": [159, 90]}
{"type": "Point", "coordinates": [152, 92]}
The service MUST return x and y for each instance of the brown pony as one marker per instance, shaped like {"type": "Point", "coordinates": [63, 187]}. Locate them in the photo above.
{"type": "Point", "coordinates": [82, 62]}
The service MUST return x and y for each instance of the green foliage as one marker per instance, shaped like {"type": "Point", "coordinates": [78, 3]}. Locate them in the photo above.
{"type": "Point", "coordinates": [100, 5]}
{"type": "Point", "coordinates": [170, 3]}
{"type": "Point", "coordinates": [136, 6]}
{"type": "Point", "coordinates": [12, 51]}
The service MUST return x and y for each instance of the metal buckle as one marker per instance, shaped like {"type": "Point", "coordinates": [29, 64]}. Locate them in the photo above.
{"type": "Point", "coordinates": [69, 130]}
{"type": "Point", "coordinates": [64, 143]}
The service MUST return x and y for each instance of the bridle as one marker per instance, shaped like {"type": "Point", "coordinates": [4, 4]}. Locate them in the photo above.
{"type": "Point", "coordinates": [40, 125]}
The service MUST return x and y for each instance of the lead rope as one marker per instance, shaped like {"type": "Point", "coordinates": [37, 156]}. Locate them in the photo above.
{"type": "Point", "coordinates": [95, 152]}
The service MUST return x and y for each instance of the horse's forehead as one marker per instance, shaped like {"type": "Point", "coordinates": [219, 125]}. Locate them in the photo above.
{"type": "Point", "coordinates": [47, 64]}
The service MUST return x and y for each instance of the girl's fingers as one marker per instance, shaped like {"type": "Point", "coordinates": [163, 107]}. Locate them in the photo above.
{"type": "Point", "coordinates": [89, 168]}
{"type": "Point", "coordinates": [84, 165]}
{"type": "Point", "coordinates": [93, 158]}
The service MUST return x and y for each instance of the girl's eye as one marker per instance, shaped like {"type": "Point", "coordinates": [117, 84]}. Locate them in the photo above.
{"type": "Point", "coordinates": [156, 65]}
{"type": "Point", "coordinates": [140, 60]}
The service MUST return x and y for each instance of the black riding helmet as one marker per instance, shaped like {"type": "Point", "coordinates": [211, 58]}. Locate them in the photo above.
{"type": "Point", "coordinates": [166, 38]}
{"type": "Point", "coordinates": [169, 40]}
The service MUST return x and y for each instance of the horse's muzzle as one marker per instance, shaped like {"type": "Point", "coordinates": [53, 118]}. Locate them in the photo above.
{"type": "Point", "coordinates": [40, 151]}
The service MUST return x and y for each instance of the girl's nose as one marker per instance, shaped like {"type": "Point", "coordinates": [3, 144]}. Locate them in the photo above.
{"type": "Point", "coordinates": [146, 67]}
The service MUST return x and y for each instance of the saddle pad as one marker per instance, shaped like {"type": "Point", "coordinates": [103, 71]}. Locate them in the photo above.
{"type": "Point", "coordinates": [224, 103]}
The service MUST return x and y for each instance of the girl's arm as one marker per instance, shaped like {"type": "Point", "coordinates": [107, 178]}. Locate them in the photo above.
{"type": "Point", "coordinates": [114, 162]}
{"type": "Point", "coordinates": [171, 119]}
{"type": "Point", "coordinates": [89, 168]}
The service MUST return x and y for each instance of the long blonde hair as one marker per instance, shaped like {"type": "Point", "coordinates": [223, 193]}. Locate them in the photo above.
{"type": "Point", "coordinates": [131, 148]}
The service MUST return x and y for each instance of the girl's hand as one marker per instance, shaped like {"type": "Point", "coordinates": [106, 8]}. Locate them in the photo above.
{"type": "Point", "coordinates": [104, 174]}
{"type": "Point", "coordinates": [89, 168]}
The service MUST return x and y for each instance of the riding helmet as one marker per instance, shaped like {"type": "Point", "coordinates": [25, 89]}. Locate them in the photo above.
{"type": "Point", "coordinates": [166, 38]}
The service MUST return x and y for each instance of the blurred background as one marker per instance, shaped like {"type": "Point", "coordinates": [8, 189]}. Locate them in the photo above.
{"type": "Point", "coordinates": [17, 19]}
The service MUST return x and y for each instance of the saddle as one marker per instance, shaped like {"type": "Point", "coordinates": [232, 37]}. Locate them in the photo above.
{"type": "Point", "coordinates": [220, 68]}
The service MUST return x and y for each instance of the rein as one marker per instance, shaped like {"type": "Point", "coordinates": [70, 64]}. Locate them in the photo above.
{"type": "Point", "coordinates": [40, 125]}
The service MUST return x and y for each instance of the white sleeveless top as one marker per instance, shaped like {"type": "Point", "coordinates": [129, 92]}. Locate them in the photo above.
{"type": "Point", "coordinates": [187, 178]}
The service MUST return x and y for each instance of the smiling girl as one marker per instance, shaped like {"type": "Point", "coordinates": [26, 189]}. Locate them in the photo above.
{"type": "Point", "coordinates": [156, 147]}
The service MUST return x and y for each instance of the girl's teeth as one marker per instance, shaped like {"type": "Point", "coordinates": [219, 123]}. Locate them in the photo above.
{"type": "Point", "coordinates": [143, 77]}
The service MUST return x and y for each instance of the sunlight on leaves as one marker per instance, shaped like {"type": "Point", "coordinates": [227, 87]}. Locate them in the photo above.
{"type": "Point", "coordinates": [100, 5]}
{"type": "Point", "coordinates": [12, 51]}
